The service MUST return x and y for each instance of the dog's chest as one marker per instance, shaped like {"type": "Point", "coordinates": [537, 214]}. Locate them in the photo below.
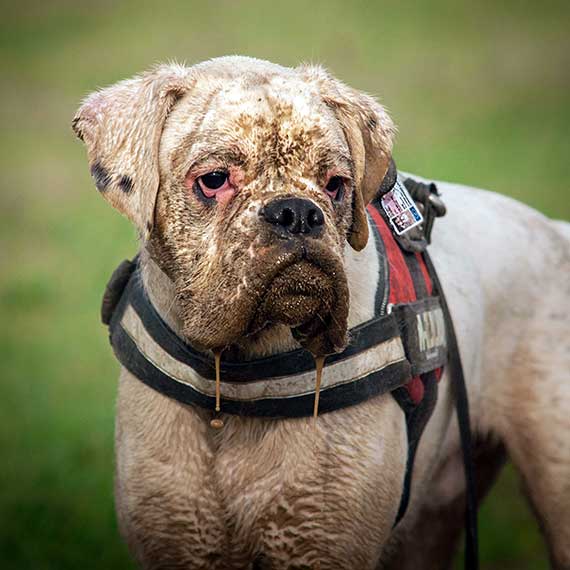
{"type": "Point", "coordinates": [293, 490]}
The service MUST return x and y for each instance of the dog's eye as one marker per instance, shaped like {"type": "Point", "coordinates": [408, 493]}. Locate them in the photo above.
{"type": "Point", "coordinates": [334, 187]}
{"type": "Point", "coordinates": [213, 182]}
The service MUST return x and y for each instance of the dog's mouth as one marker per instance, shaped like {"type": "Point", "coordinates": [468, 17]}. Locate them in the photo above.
{"type": "Point", "coordinates": [303, 288]}
{"type": "Point", "coordinates": [297, 295]}
{"type": "Point", "coordinates": [311, 297]}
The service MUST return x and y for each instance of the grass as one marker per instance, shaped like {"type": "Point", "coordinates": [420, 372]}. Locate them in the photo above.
{"type": "Point", "coordinates": [480, 94]}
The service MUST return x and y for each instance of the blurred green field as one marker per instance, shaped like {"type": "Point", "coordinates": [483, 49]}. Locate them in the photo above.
{"type": "Point", "coordinates": [480, 94]}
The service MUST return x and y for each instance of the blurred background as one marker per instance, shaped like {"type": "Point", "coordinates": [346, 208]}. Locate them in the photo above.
{"type": "Point", "coordinates": [480, 92]}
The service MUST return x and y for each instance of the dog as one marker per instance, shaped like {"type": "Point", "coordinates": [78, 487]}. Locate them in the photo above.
{"type": "Point", "coordinates": [195, 157]}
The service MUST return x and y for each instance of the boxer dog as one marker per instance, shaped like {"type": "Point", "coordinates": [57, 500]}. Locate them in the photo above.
{"type": "Point", "coordinates": [213, 163]}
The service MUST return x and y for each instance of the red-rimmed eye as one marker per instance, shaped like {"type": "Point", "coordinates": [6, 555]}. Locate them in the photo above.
{"type": "Point", "coordinates": [334, 187]}
{"type": "Point", "coordinates": [213, 182]}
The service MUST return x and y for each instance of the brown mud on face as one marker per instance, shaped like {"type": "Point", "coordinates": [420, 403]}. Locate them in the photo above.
{"type": "Point", "coordinates": [325, 332]}
{"type": "Point", "coordinates": [277, 133]}
{"type": "Point", "coordinates": [309, 300]}
{"type": "Point", "coordinates": [297, 295]}
{"type": "Point", "coordinates": [303, 288]}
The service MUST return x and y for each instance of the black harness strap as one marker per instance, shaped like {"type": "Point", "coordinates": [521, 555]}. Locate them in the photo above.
{"type": "Point", "coordinates": [417, 416]}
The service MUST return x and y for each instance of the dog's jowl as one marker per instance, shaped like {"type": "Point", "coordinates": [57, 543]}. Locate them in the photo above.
{"type": "Point", "coordinates": [257, 193]}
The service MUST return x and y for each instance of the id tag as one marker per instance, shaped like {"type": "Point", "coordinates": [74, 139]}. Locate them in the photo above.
{"type": "Point", "coordinates": [400, 209]}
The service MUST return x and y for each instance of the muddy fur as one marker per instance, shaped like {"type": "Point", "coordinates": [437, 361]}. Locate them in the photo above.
{"type": "Point", "coordinates": [277, 132]}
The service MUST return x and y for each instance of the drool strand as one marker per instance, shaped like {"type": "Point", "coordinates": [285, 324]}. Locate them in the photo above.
{"type": "Point", "coordinates": [217, 423]}
{"type": "Point", "coordinates": [217, 358]}
{"type": "Point", "coordinates": [319, 364]}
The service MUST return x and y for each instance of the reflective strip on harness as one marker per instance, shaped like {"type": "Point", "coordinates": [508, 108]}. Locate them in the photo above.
{"type": "Point", "coordinates": [355, 367]}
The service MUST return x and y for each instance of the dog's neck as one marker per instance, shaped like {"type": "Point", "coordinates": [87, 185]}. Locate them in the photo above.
{"type": "Point", "coordinates": [362, 269]}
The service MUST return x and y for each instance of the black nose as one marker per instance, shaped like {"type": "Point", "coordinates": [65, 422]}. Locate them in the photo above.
{"type": "Point", "coordinates": [294, 216]}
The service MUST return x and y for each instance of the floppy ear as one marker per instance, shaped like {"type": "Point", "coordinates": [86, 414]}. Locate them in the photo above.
{"type": "Point", "coordinates": [121, 127]}
{"type": "Point", "coordinates": [369, 132]}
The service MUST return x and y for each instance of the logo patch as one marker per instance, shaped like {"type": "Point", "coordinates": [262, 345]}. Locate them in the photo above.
{"type": "Point", "coordinates": [431, 332]}
{"type": "Point", "coordinates": [422, 325]}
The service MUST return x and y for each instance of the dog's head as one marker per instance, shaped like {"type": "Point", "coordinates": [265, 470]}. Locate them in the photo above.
{"type": "Point", "coordinates": [245, 180]}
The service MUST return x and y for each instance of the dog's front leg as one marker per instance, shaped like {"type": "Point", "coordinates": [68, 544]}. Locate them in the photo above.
{"type": "Point", "coordinates": [168, 508]}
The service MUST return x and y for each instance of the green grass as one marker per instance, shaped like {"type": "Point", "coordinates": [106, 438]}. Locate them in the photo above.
{"type": "Point", "coordinates": [480, 94]}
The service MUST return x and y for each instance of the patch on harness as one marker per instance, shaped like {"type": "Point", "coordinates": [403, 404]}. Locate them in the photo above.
{"type": "Point", "coordinates": [401, 210]}
{"type": "Point", "coordinates": [422, 325]}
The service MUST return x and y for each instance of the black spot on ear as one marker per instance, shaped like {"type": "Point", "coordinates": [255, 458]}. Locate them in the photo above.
{"type": "Point", "coordinates": [372, 122]}
{"type": "Point", "coordinates": [76, 126]}
{"type": "Point", "coordinates": [148, 226]}
{"type": "Point", "coordinates": [101, 176]}
{"type": "Point", "coordinates": [126, 184]}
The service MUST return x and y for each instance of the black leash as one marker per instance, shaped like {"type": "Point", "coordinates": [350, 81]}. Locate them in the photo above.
{"type": "Point", "coordinates": [462, 407]}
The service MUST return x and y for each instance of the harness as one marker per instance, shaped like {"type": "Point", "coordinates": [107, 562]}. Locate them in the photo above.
{"type": "Point", "coordinates": [401, 350]}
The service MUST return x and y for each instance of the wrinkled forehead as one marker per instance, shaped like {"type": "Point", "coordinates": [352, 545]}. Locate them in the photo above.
{"type": "Point", "coordinates": [278, 119]}
{"type": "Point", "coordinates": [284, 97]}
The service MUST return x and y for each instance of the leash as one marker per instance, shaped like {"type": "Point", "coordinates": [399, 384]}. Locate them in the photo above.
{"type": "Point", "coordinates": [462, 409]}
{"type": "Point", "coordinates": [433, 207]}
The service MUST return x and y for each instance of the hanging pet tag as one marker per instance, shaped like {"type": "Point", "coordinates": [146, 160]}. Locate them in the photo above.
{"type": "Point", "coordinates": [401, 210]}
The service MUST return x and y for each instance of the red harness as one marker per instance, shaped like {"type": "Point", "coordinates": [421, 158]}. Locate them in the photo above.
{"type": "Point", "coordinates": [409, 280]}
